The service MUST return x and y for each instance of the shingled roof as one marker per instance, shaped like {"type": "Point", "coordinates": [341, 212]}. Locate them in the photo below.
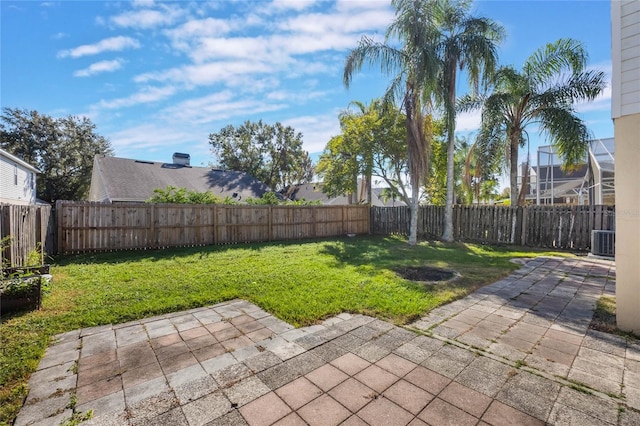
{"type": "Point", "coordinates": [121, 179]}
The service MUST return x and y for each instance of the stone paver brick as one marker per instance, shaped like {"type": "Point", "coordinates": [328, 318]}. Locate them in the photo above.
{"type": "Point", "coordinates": [328, 352]}
{"type": "Point", "coordinates": [441, 413]}
{"type": "Point", "coordinates": [465, 398]}
{"type": "Point", "coordinates": [135, 376]}
{"type": "Point", "coordinates": [245, 391]}
{"type": "Point", "coordinates": [291, 420]}
{"type": "Point", "coordinates": [105, 406]}
{"type": "Point", "coordinates": [206, 409]}
{"type": "Point", "coordinates": [299, 392]}
{"type": "Point", "coordinates": [499, 414]}
{"type": "Point", "coordinates": [553, 355]}
{"type": "Point", "coordinates": [260, 335]}
{"type": "Point", "coordinates": [265, 410]}
{"type": "Point", "coordinates": [481, 380]}
{"type": "Point", "coordinates": [354, 421]}
{"type": "Point", "coordinates": [428, 380]}
{"type": "Point", "coordinates": [170, 351]}
{"type": "Point", "coordinates": [208, 352]}
{"type": "Point", "coordinates": [173, 364]}
{"type": "Point", "coordinates": [145, 390]}
{"type": "Point", "coordinates": [47, 408]}
{"type": "Point", "coordinates": [444, 365]}
{"type": "Point", "coordinates": [163, 341]}
{"type": "Point", "coordinates": [376, 378]}
{"type": "Point", "coordinates": [235, 343]}
{"type": "Point", "coordinates": [353, 394]}
{"type": "Point", "coordinates": [324, 411]}
{"type": "Point", "coordinates": [408, 396]}
{"type": "Point", "coordinates": [99, 372]}
{"type": "Point", "coordinates": [194, 389]}
{"type": "Point", "coordinates": [396, 365]}
{"type": "Point", "coordinates": [382, 411]}
{"type": "Point", "coordinates": [350, 363]}
{"type": "Point", "coordinates": [326, 377]}
{"type": "Point", "coordinates": [99, 389]}
{"type": "Point", "coordinates": [604, 410]}
{"type": "Point", "coordinates": [231, 374]}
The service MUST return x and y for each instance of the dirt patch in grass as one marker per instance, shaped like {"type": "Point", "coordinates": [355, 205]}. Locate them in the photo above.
{"type": "Point", "coordinates": [425, 274]}
{"type": "Point", "coordinates": [604, 318]}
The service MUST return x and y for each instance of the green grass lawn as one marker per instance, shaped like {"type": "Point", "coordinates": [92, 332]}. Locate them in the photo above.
{"type": "Point", "coordinates": [299, 282]}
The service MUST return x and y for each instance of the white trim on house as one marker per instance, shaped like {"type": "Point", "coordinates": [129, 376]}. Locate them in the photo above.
{"type": "Point", "coordinates": [625, 55]}
{"type": "Point", "coordinates": [17, 180]}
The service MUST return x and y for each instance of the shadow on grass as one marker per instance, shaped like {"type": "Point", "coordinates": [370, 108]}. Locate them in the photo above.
{"type": "Point", "coordinates": [169, 253]}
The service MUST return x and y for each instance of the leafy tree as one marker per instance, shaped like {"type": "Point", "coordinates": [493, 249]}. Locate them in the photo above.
{"type": "Point", "coordinates": [542, 94]}
{"type": "Point", "coordinates": [413, 68]}
{"type": "Point", "coordinates": [479, 179]}
{"type": "Point", "coordinates": [371, 143]}
{"type": "Point", "coordinates": [174, 195]}
{"type": "Point", "coordinates": [272, 154]}
{"type": "Point", "coordinates": [459, 41]}
{"type": "Point", "coordinates": [61, 148]}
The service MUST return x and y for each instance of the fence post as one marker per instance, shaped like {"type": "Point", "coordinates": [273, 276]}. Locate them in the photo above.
{"type": "Point", "coordinates": [59, 216]}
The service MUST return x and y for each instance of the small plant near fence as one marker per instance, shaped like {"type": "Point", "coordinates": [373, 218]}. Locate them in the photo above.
{"type": "Point", "coordinates": [174, 195]}
{"type": "Point", "coordinates": [22, 287]}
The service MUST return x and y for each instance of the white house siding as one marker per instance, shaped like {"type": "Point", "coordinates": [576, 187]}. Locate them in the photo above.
{"type": "Point", "coordinates": [625, 52]}
{"type": "Point", "coordinates": [625, 110]}
{"type": "Point", "coordinates": [17, 181]}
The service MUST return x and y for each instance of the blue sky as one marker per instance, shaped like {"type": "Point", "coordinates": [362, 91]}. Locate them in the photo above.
{"type": "Point", "coordinates": [159, 77]}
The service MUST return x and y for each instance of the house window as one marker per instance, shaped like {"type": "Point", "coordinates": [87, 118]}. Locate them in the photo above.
{"type": "Point", "coordinates": [15, 174]}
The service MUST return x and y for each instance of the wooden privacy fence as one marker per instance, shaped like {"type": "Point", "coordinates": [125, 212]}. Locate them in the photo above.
{"type": "Point", "coordinates": [558, 227]}
{"type": "Point", "coordinates": [85, 226]}
{"type": "Point", "coordinates": [26, 227]}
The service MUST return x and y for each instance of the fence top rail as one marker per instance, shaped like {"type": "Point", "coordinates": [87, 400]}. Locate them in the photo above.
{"type": "Point", "coordinates": [187, 205]}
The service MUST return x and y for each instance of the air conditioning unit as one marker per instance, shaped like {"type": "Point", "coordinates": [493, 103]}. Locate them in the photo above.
{"type": "Point", "coordinates": [603, 243]}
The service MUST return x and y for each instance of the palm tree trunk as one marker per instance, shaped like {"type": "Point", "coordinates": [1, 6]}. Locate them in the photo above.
{"type": "Point", "coordinates": [513, 168]}
{"type": "Point", "coordinates": [413, 208]}
{"type": "Point", "coordinates": [447, 234]}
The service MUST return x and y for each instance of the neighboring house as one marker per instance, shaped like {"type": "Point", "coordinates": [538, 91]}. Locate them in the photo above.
{"type": "Point", "coordinates": [313, 192]}
{"type": "Point", "coordinates": [625, 111]}
{"type": "Point", "coordinates": [591, 182]}
{"type": "Point", "coordinates": [125, 180]}
{"type": "Point", "coordinates": [17, 180]}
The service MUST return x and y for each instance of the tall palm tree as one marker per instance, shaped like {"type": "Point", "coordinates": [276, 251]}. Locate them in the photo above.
{"type": "Point", "coordinates": [413, 67]}
{"type": "Point", "coordinates": [552, 80]}
{"type": "Point", "coordinates": [461, 41]}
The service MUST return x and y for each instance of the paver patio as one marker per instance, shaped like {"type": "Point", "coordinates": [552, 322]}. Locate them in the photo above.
{"type": "Point", "coordinates": [518, 351]}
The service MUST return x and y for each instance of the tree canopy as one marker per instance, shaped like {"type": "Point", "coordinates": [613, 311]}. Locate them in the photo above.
{"type": "Point", "coordinates": [543, 94]}
{"type": "Point", "coordinates": [371, 143]}
{"type": "Point", "coordinates": [412, 69]}
{"type": "Point", "coordinates": [272, 154]}
{"type": "Point", "coordinates": [61, 148]}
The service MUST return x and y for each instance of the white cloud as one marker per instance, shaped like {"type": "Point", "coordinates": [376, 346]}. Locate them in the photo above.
{"type": "Point", "coordinates": [196, 29]}
{"type": "Point", "coordinates": [100, 67]}
{"type": "Point", "coordinates": [601, 103]}
{"type": "Point", "coordinates": [148, 18]}
{"type": "Point", "coordinates": [112, 44]}
{"type": "Point", "coordinates": [146, 95]}
{"type": "Point", "coordinates": [322, 23]}
{"type": "Point", "coordinates": [218, 106]}
{"type": "Point", "coordinates": [468, 121]}
{"type": "Point", "coordinates": [206, 74]}
{"type": "Point", "coordinates": [292, 4]}
{"type": "Point", "coordinates": [316, 129]}
{"type": "Point", "coordinates": [59, 35]}
{"type": "Point", "coordinates": [143, 3]}
{"type": "Point", "coordinates": [148, 136]}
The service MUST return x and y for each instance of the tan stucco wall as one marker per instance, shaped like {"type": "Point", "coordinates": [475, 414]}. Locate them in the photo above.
{"type": "Point", "coordinates": [627, 181]}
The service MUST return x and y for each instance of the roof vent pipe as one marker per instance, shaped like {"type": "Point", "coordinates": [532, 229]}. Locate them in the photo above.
{"type": "Point", "coordinates": [181, 159]}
